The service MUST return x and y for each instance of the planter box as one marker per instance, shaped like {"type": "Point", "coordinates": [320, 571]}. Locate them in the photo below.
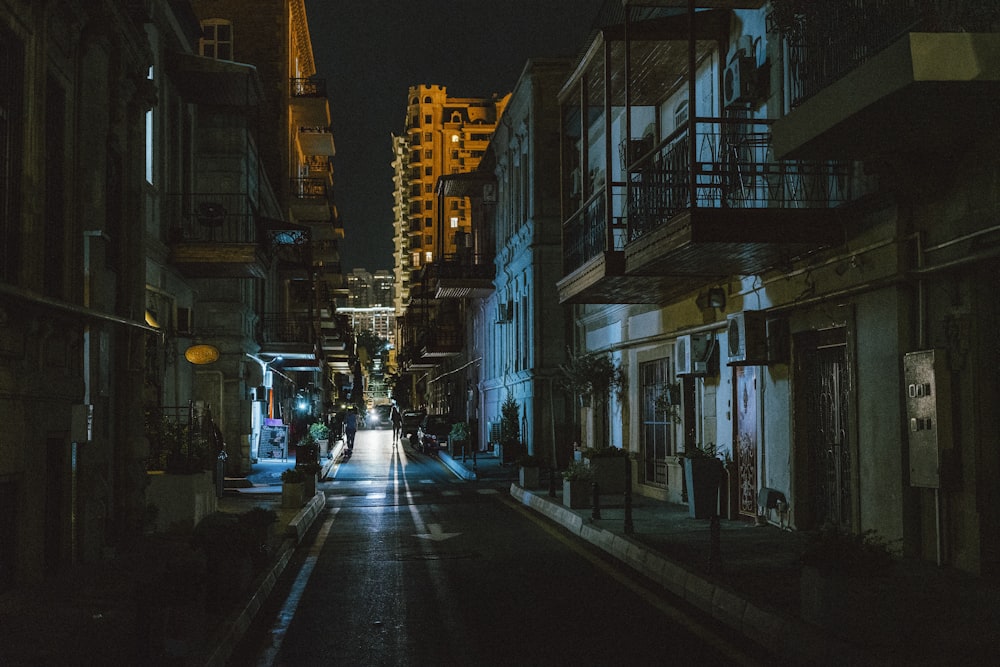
{"type": "Point", "coordinates": [577, 493]}
{"type": "Point", "coordinates": [703, 476]}
{"type": "Point", "coordinates": [609, 473]}
{"type": "Point", "coordinates": [528, 477]}
{"type": "Point", "coordinates": [292, 495]}
{"type": "Point", "coordinates": [182, 501]}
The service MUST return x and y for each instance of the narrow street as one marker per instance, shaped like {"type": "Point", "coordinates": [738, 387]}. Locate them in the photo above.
{"type": "Point", "coordinates": [411, 566]}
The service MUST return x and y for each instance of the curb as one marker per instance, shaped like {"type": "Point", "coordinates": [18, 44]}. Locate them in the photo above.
{"type": "Point", "coordinates": [776, 633]}
{"type": "Point", "coordinates": [456, 467]}
{"type": "Point", "coordinates": [222, 646]}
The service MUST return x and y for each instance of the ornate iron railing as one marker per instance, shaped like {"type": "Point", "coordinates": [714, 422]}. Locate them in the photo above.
{"type": "Point", "coordinates": [733, 168]}
{"type": "Point", "coordinates": [829, 39]}
{"type": "Point", "coordinates": [213, 217]}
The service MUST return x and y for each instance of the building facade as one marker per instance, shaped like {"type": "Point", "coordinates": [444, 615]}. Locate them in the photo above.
{"type": "Point", "coordinates": [521, 327]}
{"type": "Point", "coordinates": [777, 218]}
{"type": "Point", "coordinates": [445, 137]}
{"type": "Point", "coordinates": [74, 92]}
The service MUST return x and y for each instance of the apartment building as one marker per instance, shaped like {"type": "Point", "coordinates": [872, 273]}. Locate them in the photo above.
{"type": "Point", "coordinates": [445, 136]}
{"type": "Point", "coordinates": [778, 216]}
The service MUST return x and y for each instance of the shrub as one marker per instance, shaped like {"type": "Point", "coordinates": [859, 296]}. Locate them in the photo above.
{"type": "Point", "coordinates": [578, 471]}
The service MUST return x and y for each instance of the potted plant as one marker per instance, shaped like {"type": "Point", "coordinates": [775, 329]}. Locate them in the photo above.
{"type": "Point", "coordinates": [608, 467]}
{"type": "Point", "coordinates": [510, 430]}
{"type": "Point", "coordinates": [458, 437]}
{"type": "Point", "coordinates": [529, 467]}
{"type": "Point", "coordinates": [320, 432]}
{"type": "Point", "coordinates": [292, 488]}
{"type": "Point", "coordinates": [833, 562]}
{"type": "Point", "coordinates": [703, 474]}
{"type": "Point", "coordinates": [309, 472]}
{"type": "Point", "coordinates": [577, 490]}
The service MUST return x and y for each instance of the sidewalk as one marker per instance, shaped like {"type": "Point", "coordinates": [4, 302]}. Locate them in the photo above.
{"type": "Point", "coordinates": [918, 614]}
{"type": "Point", "coordinates": [155, 604]}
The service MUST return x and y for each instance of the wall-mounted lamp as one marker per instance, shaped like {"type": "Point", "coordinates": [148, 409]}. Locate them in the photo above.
{"type": "Point", "coordinates": [716, 297]}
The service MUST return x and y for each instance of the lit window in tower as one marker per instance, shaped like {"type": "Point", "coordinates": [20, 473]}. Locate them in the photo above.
{"type": "Point", "coordinates": [454, 222]}
{"type": "Point", "coordinates": [428, 257]}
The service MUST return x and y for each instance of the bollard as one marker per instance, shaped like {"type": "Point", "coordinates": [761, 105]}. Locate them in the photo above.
{"type": "Point", "coordinates": [715, 544]}
{"type": "Point", "coordinates": [596, 513]}
{"type": "Point", "coordinates": [629, 528]}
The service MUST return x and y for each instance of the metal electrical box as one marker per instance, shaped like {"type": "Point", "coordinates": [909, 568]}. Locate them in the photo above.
{"type": "Point", "coordinates": [928, 414]}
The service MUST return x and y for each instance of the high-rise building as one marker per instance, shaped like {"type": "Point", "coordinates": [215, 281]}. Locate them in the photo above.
{"type": "Point", "coordinates": [443, 135]}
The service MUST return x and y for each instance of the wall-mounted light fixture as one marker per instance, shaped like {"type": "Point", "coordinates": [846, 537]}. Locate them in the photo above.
{"type": "Point", "coordinates": [716, 297]}
{"type": "Point", "coordinates": [202, 354]}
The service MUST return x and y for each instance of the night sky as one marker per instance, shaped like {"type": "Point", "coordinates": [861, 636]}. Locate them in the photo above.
{"type": "Point", "coordinates": [371, 52]}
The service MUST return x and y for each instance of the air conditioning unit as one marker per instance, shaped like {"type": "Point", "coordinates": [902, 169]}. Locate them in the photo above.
{"type": "Point", "coordinates": [737, 83]}
{"type": "Point", "coordinates": [746, 334]}
{"type": "Point", "coordinates": [691, 353]}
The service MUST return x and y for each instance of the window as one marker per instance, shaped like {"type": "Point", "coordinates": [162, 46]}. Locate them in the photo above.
{"type": "Point", "coordinates": [428, 222]}
{"type": "Point", "coordinates": [149, 136]}
{"type": "Point", "coordinates": [680, 114]}
{"type": "Point", "coordinates": [657, 445]}
{"type": "Point", "coordinates": [454, 138]}
{"type": "Point", "coordinates": [11, 131]}
{"type": "Point", "coordinates": [428, 119]}
{"type": "Point", "coordinates": [428, 257]}
{"type": "Point", "coordinates": [216, 39]}
{"type": "Point", "coordinates": [428, 240]}
{"type": "Point", "coordinates": [454, 222]}
{"type": "Point", "coordinates": [428, 171]}
{"type": "Point", "coordinates": [55, 188]}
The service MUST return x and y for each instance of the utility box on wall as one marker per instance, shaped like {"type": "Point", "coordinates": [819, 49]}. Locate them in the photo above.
{"type": "Point", "coordinates": [928, 414]}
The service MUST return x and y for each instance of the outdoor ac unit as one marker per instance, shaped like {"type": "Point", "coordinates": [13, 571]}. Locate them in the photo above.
{"type": "Point", "coordinates": [746, 334]}
{"type": "Point", "coordinates": [737, 84]}
{"type": "Point", "coordinates": [691, 354]}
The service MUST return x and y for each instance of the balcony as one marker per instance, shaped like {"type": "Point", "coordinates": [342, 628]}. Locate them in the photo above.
{"type": "Point", "coordinates": [292, 337]}
{"type": "Point", "coordinates": [315, 140]}
{"type": "Point", "coordinates": [309, 103]}
{"type": "Point", "coordinates": [216, 236]}
{"type": "Point", "coordinates": [883, 78]}
{"type": "Point", "coordinates": [310, 200]}
{"type": "Point", "coordinates": [735, 209]}
{"type": "Point", "coordinates": [461, 276]}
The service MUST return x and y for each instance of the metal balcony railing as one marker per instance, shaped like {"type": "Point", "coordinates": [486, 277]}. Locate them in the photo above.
{"type": "Point", "coordinates": [733, 168]}
{"type": "Point", "coordinates": [309, 188]}
{"type": "Point", "coordinates": [312, 87]}
{"type": "Point", "coordinates": [212, 217]}
{"type": "Point", "coordinates": [287, 329]}
{"type": "Point", "coordinates": [585, 234]}
{"type": "Point", "coordinates": [827, 40]}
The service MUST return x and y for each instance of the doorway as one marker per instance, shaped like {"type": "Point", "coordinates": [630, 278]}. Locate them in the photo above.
{"type": "Point", "coordinates": [824, 451]}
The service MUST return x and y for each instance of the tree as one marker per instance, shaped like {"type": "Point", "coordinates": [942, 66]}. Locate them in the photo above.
{"type": "Point", "coordinates": [510, 428]}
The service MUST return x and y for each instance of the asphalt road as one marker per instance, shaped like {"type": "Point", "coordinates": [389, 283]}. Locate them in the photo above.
{"type": "Point", "coordinates": [411, 566]}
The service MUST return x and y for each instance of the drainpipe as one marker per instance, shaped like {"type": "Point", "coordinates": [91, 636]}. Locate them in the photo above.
{"type": "Point", "coordinates": [87, 409]}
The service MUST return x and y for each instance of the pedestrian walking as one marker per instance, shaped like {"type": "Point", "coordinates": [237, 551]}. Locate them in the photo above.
{"type": "Point", "coordinates": [397, 423]}
{"type": "Point", "coordinates": [351, 427]}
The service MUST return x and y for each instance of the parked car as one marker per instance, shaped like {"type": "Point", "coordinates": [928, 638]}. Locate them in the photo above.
{"type": "Point", "coordinates": [412, 419]}
{"type": "Point", "coordinates": [433, 433]}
